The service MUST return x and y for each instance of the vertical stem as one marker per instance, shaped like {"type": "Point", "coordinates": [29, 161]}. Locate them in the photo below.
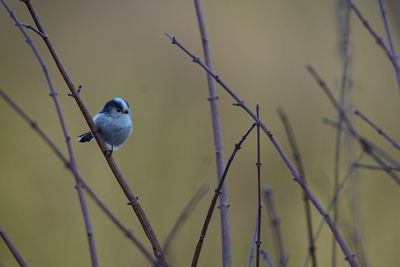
{"type": "Point", "coordinates": [299, 163]}
{"type": "Point", "coordinates": [219, 150]}
{"type": "Point", "coordinates": [275, 227]}
{"type": "Point", "coordinates": [258, 164]}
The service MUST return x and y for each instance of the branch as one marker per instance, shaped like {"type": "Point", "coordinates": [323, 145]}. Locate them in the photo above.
{"type": "Point", "coordinates": [253, 242]}
{"type": "Point", "coordinates": [392, 57]}
{"type": "Point", "coordinates": [278, 147]}
{"type": "Point", "coordinates": [13, 249]}
{"type": "Point", "coordinates": [259, 204]}
{"type": "Point", "coordinates": [218, 144]}
{"type": "Point", "coordinates": [364, 143]}
{"type": "Point", "coordinates": [72, 160]}
{"type": "Point", "coordinates": [275, 227]}
{"type": "Point", "coordinates": [299, 163]}
{"type": "Point", "coordinates": [376, 128]}
{"type": "Point", "coordinates": [371, 167]}
{"type": "Point", "coordinates": [214, 199]}
{"type": "Point", "coordinates": [184, 215]}
{"type": "Point", "coordinates": [133, 199]}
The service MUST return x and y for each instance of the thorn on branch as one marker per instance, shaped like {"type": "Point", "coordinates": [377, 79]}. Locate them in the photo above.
{"type": "Point", "coordinates": [79, 185]}
{"type": "Point", "coordinates": [237, 146]}
{"type": "Point", "coordinates": [213, 98]}
{"type": "Point", "coordinates": [353, 255]}
{"type": "Point", "coordinates": [77, 91]}
{"type": "Point", "coordinates": [33, 124]}
{"type": "Point", "coordinates": [226, 205]}
{"type": "Point", "coordinates": [53, 94]}
{"type": "Point", "coordinates": [365, 145]}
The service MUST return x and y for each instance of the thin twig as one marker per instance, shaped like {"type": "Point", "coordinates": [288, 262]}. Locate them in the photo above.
{"type": "Point", "coordinates": [275, 227]}
{"type": "Point", "coordinates": [218, 144]}
{"type": "Point", "coordinates": [133, 199]}
{"type": "Point", "coordinates": [372, 167]}
{"type": "Point", "coordinates": [376, 148]}
{"type": "Point", "coordinates": [239, 102]}
{"type": "Point", "coordinates": [253, 242]}
{"type": "Point", "coordinates": [299, 163]}
{"type": "Point", "coordinates": [370, 146]}
{"type": "Point", "coordinates": [332, 203]}
{"type": "Point", "coordinates": [13, 248]}
{"type": "Point", "coordinates": [379, 130]}
{"type": "Point", "coordinates": [215, 197]}
{"type": "Point", "coordinates": [393, 59]}
{"type": "Point", "coordinates": [183, 216]}
{"type": "Point", "coordinates": [387, 29]}
{"type": "Point", "coordinates": [259, 203]}
{"type": "Point", "coordinates": [127, 232]}
{"type": "Point", "coordinates": [364, 143]}
{"type": "Point", "coordinates": [266, 257]}
{"type": "Point", "coordinates": [390, 39]}
{"type": "Point", "coordinates": [72, 161]}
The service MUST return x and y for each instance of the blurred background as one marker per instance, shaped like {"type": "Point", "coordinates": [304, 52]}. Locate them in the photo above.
{"type": "Point", "coordinates": [260, 49]}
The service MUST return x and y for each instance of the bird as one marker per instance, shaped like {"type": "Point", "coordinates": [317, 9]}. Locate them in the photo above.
{"type": "Point", "coordinates": [113, 122]}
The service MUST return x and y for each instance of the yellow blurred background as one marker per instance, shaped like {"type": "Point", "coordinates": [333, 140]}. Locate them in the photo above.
{"type": "Point", "coordinates": [260, 49]}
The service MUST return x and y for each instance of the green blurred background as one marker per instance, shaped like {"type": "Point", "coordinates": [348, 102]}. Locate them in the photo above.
{"type": "Point", "coordinates": [260, 48]}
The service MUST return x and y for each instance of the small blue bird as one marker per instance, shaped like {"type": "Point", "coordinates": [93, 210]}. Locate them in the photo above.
{"type": "Point", "coordinates": [114, 123]}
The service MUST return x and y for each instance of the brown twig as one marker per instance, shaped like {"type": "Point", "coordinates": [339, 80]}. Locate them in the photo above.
{"type": "Point", "coordinates": [133, 199]}
{"type": "Point", "coordinates": [72, 161]}
{"type": "Point", "coordinates": [275, 227]}
{"type": "Point", "coordinates": [13, 249]}
{"type": "Point", "coordinates": [184, 215]}
{"type": "Point", "coordinates": [215, 197]}
{"type": "Point", "coordinates": [239, 102]}
{"type": "Point", "coordinates": [218, 144]}
{"type": "Point", "coordinates": [299, 163]}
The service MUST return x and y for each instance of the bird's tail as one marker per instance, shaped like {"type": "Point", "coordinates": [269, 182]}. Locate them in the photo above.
{"type": "Point", "coordinates": [86, 137]}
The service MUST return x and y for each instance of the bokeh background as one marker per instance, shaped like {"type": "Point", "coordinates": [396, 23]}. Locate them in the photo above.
{"type": "Point", "coordinates": [260, 48]}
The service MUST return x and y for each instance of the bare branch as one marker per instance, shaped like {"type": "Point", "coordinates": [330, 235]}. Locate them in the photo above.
{"type": "Point", "coordinates": [259, 203]}
{"type": "Point", "coordinates": [184, 215]}
{"type": "Point", "coordinates": [299, 163]}
{"type": "Point", "coordinates": [392, 57]}
{"type": "Point", "coordinates": [214, 199]}
{"type": "Point", "coordinates": [376, 128]}
{"type": "Point", "coordinates": [364, 143]}
{"type": "Point", "coordinates": [13, 249]}
{"type": "Point", "coordinates": [275, 227]}
{"type": "Point", "coordinates": [218, 144]}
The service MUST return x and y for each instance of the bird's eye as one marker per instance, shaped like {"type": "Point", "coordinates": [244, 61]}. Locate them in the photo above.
{"type": "Point", "coordinates": [119, 110]}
